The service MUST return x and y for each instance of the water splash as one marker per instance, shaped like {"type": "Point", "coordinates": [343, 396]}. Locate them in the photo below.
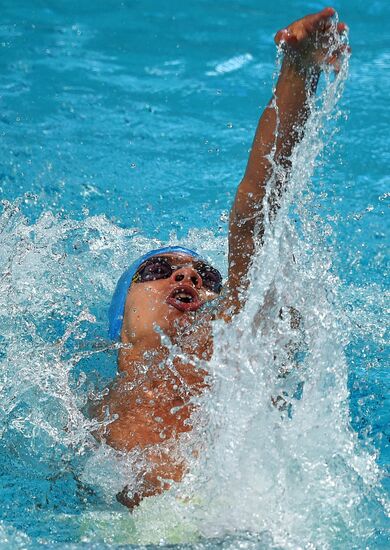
{"type": "Point", "coordinates": [279, 458]}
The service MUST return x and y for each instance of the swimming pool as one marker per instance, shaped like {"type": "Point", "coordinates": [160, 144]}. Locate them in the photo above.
{"type": "Point", "coordinates": [127, 124]}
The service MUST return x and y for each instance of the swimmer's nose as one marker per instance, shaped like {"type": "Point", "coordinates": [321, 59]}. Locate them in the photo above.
{"type": "Point", "coordinates": [187, 274]}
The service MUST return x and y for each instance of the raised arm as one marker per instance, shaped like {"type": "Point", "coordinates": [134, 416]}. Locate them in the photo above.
{"type": "Point", "coordinates": [307, 44]}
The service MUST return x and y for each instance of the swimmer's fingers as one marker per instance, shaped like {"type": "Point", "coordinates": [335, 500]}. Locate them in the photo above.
{"type": "Point", "coordinates": [313, 32]}
{"type": "Point", "coordinates": [304, 28]}
{"type": "Point", "coordinates": [320, 22]}
{"type": "Point", "coordinates": [331, 37]}
{"type": "Point", "coordinates": [334, 60]}
{"type": "Point", "coordinates": [342, 27]}
{"type": "Point", "coordinates": [330, 55]}
{"type": "Point", "coordinates": [287, 37]}
{"type": "Point", "coordinates": [314, 41]}
{"type": "Point", "coordinates": [329, 45]}
{"type": "Point", "coordinates": [284, 36]}
{"type": "Point", "coordinates": [327, 24]}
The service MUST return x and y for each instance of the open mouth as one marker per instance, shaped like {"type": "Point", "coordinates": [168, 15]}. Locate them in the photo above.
{"type": "Point", "coordinates": [184, 298]}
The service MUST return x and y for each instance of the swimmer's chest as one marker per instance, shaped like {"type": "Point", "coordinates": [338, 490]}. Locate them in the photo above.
{"type": "Point", "coordinates": [157, 404]}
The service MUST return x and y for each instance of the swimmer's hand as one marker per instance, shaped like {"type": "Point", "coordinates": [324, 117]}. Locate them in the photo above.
{"type": "Point", "coordinates": [313, 41]}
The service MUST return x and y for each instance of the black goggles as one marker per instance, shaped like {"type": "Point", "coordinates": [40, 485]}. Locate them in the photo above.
{"type": "Point", "coordinates": [162, 268]}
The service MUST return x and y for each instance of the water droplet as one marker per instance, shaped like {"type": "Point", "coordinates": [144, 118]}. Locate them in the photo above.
{"type": "Point", "coordinates": [224, 217]}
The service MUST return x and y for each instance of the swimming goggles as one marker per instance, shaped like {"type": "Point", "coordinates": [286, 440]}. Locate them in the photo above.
{"type": "Point", "coordinates": [161, 268]}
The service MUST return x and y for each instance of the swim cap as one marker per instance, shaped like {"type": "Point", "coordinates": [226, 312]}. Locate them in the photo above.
{"type": "Point", "coordinates": [117, 307]}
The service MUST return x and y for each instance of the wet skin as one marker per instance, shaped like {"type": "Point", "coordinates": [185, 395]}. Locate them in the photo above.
{"type": "Point", "coordinates": [140, 397]}
{"type": "Point", "coordinates": [152, 397]}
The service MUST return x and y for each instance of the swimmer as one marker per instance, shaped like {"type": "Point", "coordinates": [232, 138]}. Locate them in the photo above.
{"type": "Point", "coordinates": [164, 294]}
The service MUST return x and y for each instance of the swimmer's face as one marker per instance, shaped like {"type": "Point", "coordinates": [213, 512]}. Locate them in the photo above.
{"type": "Point", "coordinates": [162, 304]}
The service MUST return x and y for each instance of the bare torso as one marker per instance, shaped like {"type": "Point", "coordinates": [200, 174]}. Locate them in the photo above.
{"type": "Point", "coordinates": [151, 396]}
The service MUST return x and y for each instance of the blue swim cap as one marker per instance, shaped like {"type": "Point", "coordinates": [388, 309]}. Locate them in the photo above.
{"type": "Point", "coordinates": [117, 307]}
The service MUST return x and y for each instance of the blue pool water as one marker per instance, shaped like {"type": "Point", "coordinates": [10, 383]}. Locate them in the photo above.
{"type": "Point", "coordinates": [127, 124]}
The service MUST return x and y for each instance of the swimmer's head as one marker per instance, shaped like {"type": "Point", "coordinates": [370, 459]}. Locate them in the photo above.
{"type": "Point", "coordinates": [158, 289]}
